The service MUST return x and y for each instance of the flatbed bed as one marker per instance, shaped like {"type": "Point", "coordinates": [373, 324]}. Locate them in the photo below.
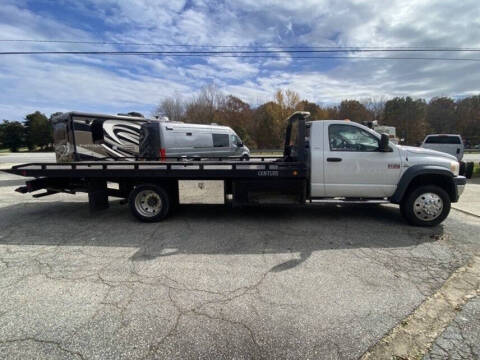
{"type": "Point", "coordinates": [152, 185]}
{"type": "Point", "coordinates": [242, 181]}
{"type": "Point", "coordinates": [187, 169]}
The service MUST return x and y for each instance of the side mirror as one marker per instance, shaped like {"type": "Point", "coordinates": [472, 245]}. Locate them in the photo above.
{"type": "Point", "coordinates": [240, 144]}
{"type": "Point", "coordinates": [383, 145]}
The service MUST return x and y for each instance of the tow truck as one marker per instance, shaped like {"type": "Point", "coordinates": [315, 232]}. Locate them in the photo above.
{"type": "Point", "coordinates": [323, 161]}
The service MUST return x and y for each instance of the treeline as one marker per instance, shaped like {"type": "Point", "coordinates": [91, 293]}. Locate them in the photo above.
{"type": "Point", "coordinates": [263, 127]}
{"type": "Point", "coordinates": [34, 133]}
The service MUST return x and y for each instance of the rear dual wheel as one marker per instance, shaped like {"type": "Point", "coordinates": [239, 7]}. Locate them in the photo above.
{"type": "Point", "coordinates": [149, 203]}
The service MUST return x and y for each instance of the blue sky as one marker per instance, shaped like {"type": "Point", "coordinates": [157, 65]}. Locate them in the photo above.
{"type": "Point", "coordinates": [115, 84]}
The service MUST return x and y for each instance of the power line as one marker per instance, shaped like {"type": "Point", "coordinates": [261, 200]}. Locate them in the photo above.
{"type": "Point", "coordinates": [198, 53]}
{"type": "Point", "coordinates": [338, 48]}
{"type": "Point", "coordinates": [227, 54]}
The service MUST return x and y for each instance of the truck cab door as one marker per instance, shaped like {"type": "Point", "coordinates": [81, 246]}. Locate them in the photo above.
{"type": "Point", "coordinates": [354, 166]}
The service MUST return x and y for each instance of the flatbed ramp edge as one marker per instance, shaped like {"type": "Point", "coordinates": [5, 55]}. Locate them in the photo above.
{"type": "Point", "coordinates": [168, 169]}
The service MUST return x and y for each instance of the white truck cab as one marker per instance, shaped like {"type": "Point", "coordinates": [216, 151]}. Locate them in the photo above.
{"type": "Point", "coordinates": [347, 161]}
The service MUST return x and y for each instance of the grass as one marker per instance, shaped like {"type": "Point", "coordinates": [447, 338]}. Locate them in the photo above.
{"type": "Point", "coordinates": [7, 151]}
{"type": "Point", "coordinates": [476, 170]}
{"type": "Point", "coordinates": [23, 149]}
{"type": "Point", "coordinates": [266, 153]}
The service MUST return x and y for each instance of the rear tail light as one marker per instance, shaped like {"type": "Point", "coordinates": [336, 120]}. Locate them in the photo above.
{"type": "Point", "coordinates": [162, 154]}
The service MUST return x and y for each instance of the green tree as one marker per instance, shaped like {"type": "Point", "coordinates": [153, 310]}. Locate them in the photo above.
{"type": "Point", "coordinates": [355, 111]}
{"type": "Point", "coordinates": [237, 114]}
{"type": "Point", "coordinates": [316, 112]}
{"type": "Point", "coordinates": [12, 135]}
{"type": "Point", "coordinates": [38, 130]}
{"type": "Point", "coordinates": [376, 106]}
{"type": "Point", "coordinates": [172, 107]}
{"type": "Point", "coordinates": [442, 115]}
{"type": "Point", "coordinates": [201, 109]}
{"type": "Point", "coordinates": [468, 118]}
{"type": "Point", "coordinates": [268, 133]}
{"type": "Point", "coordinates": [408, 116]}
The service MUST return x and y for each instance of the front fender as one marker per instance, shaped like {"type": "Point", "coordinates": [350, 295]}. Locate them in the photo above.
{"type": "Point", "coordinates": [415, 171]}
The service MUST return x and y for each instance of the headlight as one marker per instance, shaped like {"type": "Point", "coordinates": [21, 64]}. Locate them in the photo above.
{"type": "Point", "coordinates": [455, 167]}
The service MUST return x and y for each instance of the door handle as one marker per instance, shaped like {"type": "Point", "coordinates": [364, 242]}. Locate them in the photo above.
{"type": "Point", "coordinates": [334, 159]}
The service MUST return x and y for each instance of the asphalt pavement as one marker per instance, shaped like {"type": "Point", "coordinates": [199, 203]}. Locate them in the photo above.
{"type": "Point", "coordinates": [460, 340]}
{"type": "Point", "coordinates": [325, 282]}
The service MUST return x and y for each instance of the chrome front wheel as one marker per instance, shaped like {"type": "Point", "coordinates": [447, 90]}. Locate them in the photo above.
{"type": "Point", "coordinates": [428, 206]}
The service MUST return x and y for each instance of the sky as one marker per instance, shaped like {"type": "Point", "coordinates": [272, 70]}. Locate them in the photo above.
{"type": "Point", "coordinates": [114, 84]}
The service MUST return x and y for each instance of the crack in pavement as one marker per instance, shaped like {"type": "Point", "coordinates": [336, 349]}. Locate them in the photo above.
{"type": "Point", "coordinates": [414, 336]}
{"type": "Point", "coordinates": [47, 342]}
{"type": "Point", "coordinates": [196, 311]}
{"type": "Point", "coordinates": [460, 339]}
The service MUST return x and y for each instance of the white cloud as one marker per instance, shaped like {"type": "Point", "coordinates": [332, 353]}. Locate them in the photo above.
{"type": "Point", "coordinates": [128, 83]}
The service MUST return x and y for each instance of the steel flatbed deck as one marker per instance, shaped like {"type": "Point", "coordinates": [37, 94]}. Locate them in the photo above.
{"type": "Point", "coordinates": [204, 169]}
{"type": "Point", "coordinates": [153, 186]}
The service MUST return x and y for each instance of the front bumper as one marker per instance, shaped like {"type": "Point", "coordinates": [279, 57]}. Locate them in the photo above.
{"type": "Point", "coordinates": [460, 182]}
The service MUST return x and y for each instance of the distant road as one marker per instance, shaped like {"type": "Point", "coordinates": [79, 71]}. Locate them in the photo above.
{"type": "Point", "coordinates": [25, 157]}
{"type": "Point", "coordinates": [472, 157]}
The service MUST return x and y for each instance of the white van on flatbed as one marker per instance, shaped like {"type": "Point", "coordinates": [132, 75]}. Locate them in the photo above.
{"type": "Point", "coordinates": [178, 139]}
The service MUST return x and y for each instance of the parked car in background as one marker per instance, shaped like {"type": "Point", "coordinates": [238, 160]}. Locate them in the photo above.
{"type": "Point", "coordinates": [448, 143]}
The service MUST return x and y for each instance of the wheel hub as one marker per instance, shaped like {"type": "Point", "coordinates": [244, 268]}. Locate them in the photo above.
{"type": "Point", "coordinates": [428, 206]}
{"type": "Point", "coordinates": [148, 203]}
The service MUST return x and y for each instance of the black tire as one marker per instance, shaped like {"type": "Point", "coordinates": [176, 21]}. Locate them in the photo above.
{"type": "Point", "coordinates": [155, 205]}
{"type": "Point", "coordinates": [469, 170]}
{"type": "Point", "coordinates": [245, 157]}
{"type": "Point", "coordinates": [419, 217]}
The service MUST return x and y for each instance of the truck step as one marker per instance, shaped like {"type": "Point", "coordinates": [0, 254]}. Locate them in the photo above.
{"type": "Point", "coordinates": [348, 201]}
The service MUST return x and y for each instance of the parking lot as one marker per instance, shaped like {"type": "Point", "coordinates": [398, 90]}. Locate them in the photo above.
{"type": "Point", "coordinates": [324, 282]}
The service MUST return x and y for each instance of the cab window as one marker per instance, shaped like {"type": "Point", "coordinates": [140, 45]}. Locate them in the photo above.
{"type": "Point", "coordinates": [351, 138]}
{"type": "Point", "coordinates": [220, 140]}
{"type": "Point", "coordinates": [235, 140]}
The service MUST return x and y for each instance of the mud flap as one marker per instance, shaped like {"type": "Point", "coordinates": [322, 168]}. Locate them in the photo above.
{"type": "Point", "coordinates": [97, 195]}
